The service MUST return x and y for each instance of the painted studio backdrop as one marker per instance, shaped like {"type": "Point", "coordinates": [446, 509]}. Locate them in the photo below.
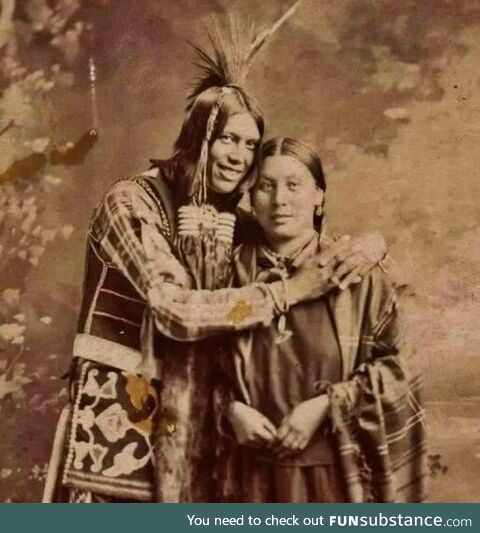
{"type": "Point", "coordinates": [387, 91]}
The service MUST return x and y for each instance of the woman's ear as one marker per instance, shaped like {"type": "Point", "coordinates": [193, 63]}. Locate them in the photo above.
{"type": "Point", "coordinates": [249, 181]}
{"type": "Point", "coordinates": [319, 201]}
{"type": "Point", "coordinates": [250, 201]}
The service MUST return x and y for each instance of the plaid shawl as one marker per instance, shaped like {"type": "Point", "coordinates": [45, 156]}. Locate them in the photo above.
{"type": "Point", "coordinates": [376, 409]}
{"type": "Point", "coordinates": [381, 436]}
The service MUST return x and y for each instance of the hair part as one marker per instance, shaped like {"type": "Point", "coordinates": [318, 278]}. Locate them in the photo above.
{"type": "Point", "coordinates": [300, 151]}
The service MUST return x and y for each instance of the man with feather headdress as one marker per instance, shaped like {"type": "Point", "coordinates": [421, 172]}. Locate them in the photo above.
{"type": "Point", "coordinates": [158, 260]}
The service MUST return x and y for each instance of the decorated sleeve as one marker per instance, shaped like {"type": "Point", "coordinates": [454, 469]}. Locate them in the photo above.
{"type": "Point", "coordinates": [132, 235]}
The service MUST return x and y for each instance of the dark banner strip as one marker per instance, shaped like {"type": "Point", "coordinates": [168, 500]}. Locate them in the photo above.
{"type": "Point", "coordinates": [199, 518]}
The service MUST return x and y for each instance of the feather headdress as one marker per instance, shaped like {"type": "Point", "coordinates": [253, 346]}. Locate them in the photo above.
{"type": "Point", "coordinates": [234, 44]}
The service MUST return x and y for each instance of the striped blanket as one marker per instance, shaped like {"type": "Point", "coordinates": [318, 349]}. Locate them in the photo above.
{"type": "Point", "coordinates": [381, 435]}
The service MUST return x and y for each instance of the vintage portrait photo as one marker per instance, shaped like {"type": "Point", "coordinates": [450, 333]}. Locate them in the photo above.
{"type": "Point", "coordinates": [239, 251]}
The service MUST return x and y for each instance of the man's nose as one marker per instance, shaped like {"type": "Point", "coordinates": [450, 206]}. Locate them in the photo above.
{"type": "Point", "coordinates": [234, 154]}
{"type": "Point", "coordinates": [240, 154]}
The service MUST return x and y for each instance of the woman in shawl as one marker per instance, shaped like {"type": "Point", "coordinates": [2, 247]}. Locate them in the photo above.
{"type": "Point", "coordinates": [325, 408]}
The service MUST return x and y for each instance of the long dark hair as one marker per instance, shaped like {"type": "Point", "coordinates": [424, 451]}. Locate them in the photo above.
{"type": "Point", "coordinates": [303, 153]}
{"type": "Point", "coordinates": [188, 144]}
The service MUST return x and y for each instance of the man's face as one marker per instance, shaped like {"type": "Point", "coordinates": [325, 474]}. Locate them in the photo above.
{"type": "Point", "coordinates": [232, 153]}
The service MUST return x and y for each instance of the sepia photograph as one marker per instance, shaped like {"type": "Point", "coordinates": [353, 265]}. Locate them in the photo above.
{"type": "Point", "coordinates": [239, 251]}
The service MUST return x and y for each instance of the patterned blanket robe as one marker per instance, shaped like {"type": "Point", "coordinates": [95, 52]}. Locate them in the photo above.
{"type": "Point", "coordinates": [109, 439]}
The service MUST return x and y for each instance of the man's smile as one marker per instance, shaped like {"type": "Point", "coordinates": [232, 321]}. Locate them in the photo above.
{"type": "Point", "coordinates": [229, 173]}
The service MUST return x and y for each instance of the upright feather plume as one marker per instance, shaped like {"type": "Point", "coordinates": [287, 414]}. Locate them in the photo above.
{"type": "Point", "coordinates": [234, 45]}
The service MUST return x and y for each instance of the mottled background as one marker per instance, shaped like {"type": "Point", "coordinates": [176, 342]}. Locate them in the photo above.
{"type": "Point", "coordinates": [389, 93]}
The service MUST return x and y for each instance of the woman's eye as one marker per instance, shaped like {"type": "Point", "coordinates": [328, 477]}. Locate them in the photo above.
{"type": "Point", "coordinates": [265, 186]}
{"type": "Point", "coordinates": [293, 186]}
{"type": "Point", "coordinates": [252, 145]}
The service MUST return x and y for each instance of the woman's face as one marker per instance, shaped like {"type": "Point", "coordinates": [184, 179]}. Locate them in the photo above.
{"type": "Point", "coordinates": [285, 197]}
{"type": "Point", "coordinates": [232, 153]}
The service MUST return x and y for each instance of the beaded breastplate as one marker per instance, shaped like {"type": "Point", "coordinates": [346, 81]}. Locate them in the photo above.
{"type": "Point", "coordinates": [199, 220]}
{"type": "Point", "coordinates": [204, 245]}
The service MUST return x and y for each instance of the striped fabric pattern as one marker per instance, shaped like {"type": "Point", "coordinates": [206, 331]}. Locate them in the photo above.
{"type": "Point", "coordinates": [130, 233]}
{"type": "Point", "coordinates": [381, 434]}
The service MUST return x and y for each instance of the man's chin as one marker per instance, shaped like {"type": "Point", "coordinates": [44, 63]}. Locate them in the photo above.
{"type": "Point", "coordinates": [223, 186]}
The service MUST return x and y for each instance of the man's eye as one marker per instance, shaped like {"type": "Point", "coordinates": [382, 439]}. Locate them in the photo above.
{"type": "Point", "coordinates": [252, 145]}
{"type": "Point", "coordinates": [293, 186]}
{"type": "Point", "coordinates": [226, 139]}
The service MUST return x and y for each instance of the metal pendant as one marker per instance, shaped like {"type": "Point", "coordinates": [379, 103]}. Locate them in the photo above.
{"type": "Point", "coordinates": [283, 333]}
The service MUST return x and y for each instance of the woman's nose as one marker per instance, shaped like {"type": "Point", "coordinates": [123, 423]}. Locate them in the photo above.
{"type": "Point", "coordinates": [280, 196]}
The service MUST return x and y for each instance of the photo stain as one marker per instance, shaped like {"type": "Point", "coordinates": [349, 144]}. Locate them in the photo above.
{"type": "Point", "coordinates": [68, 155]}
{"type": "Point", "coordinates": [24, 167]}
{"type": "Point", "coordinates": [240, 311]}
{"type": "Point", "coordinates": [167, 424]}
{"type": "Point", "coordinates": [74, 155]}
{"type": "Point", "coordinates": [9, 126]}
{"type": "Point", "coordinates": [436, 466]}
